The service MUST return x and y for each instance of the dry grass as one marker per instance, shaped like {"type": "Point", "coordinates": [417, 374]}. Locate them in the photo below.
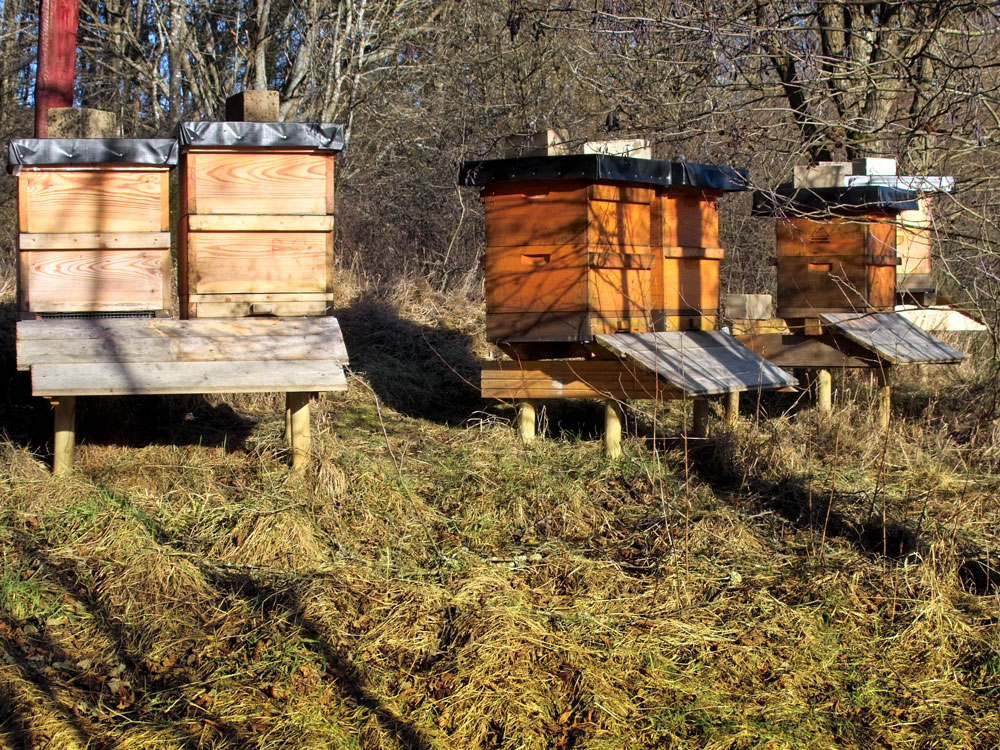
{"type": "Point", "coordinates": [432, 583]}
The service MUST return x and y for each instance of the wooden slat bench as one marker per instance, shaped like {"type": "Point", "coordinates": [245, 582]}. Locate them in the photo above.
{"type": "Point", "coordinates": [104, 357]}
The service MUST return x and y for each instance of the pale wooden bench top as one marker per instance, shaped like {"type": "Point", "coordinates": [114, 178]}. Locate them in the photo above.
{"type": "Point", "coordinates": [105, 357]}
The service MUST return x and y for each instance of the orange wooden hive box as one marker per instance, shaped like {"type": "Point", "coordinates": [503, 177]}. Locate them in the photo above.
{"type": "Point", "coordinates": [256, 228]}
{"type": "Point", "coordinates": [94, 225]}
{"type": "Point", "coordinates": [593, 244]}
{"type": "Point", "coordinates": [836, 247]}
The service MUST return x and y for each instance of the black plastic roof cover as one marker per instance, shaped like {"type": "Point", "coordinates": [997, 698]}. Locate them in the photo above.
{"type": "Point", "coordinates": [605, 168]}
{"type": "Point", "coordinates": [786, 200]}
{"type": "Point", "coordinates": [40, 152]}
{"type": "Point", "coordinates": [325, 136]}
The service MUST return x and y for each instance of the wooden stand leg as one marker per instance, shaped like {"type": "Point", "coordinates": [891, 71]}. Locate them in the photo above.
{"type": "Point", "coordinates": [613, 417]}
{"type": "Point", "coordinates": [732, 408]}
{"type": "Point", "coordinates": [526, 420]}
{"type": "Point", "coordinates": [884, 383]}
{"type": "Point", "coordinates": [288, 421]}
{"type": "Point", "coordinates": [65, 434]}
{"type": "Point", "coordinates": [824, 392]}
{"type": "Point", "coordinates": [297, 405]}
{"type": "Point", "coordinates": [700, 418]}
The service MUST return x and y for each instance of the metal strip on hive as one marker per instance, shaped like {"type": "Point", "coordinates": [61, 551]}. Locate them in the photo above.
{"type": "Point", "coordinates": [699, 363]}
{"type": "Point", "coordinates": [892, 337]}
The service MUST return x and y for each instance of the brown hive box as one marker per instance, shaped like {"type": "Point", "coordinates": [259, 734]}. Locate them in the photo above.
{"type": "Point", "coordinates": [591, 244]}
{"type": "Point", "coordinates": [256, 228]}
{"type": "Point", "coordinates": [94, 223]}
{"type": "Point", "coordinates": [836, 248]}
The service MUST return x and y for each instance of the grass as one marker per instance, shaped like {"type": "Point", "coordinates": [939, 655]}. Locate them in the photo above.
{"type": "Point", "coordinates": [432, 583]}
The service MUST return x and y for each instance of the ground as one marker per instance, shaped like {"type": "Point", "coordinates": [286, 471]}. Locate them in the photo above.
{"type": "Point", "coordinates": [430, 582]}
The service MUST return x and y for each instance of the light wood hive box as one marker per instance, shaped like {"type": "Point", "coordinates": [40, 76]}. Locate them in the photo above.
{"type": "Point", "coordinates": [686, 275]}
{"type": "Point", "coordinates": [913, 245]}
{"type": "Point", "coordinates": [256, 226]}
{"type": "Point", "coordinates": [570, 254]}
{"type": "Point", "coordinates": [94, 237]}
{"type": "Point", "coordinates": [836, 264]}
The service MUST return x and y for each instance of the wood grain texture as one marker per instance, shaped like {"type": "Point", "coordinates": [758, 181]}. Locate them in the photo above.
{"type": "Point", "coordinates": [242, 309]}
{"type": "Point", "coordinates": [686, 219]}
{"type": "Point", "coordinates": [56, 341]}
{"type": "Point", "coordinates": [140, 378]}
{"type": "Point", "coordinates": [257, 182]}
{"type": "Point", "coordinates": [93, 201]}
{"type": "Point", "coordinates": [266, 223]}
{"type": "Point", "coordinates": [686, 284]}
{"type": "Point", "coordinates": [95, 241]}
{"type": "Point", "coordinates": [697, 363]}
{"type": "Point", "coordinates": [892, 337]}
{"type": "Point", "coordinates": [234, 262]}
{"type": "Point", "coordinates": [93, 280]}
{"type": "Point", "coordinates": [572, 378]}
{"type": "Point", "coordinates": [913, 240]}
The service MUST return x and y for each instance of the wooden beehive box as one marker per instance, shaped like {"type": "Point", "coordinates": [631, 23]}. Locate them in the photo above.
{"type": "Point", "coordinates": [256, 229]}
{"type": "Point", "coordinates": [94, 225]}
{"type": "Point", "coordinates": [836, 248]}
{"type": "Point", "coordinates": [686, 279]}
{"type": "Point", "coordinates": [913, 245]}
{"type": "Point", "coordinates": [584, 245]}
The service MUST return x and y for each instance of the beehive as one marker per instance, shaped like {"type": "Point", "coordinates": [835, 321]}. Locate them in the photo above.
{"type": "Point", "coordinates": [584, 245]}
{"type": "Point", "coordinates": [256, 228]}
{"type": "Point", "coordinates": [94, 225]}
{"type": "Point", "coordinates": [836, 248]}
{"type": "Point", "coordinates": [913, 245]}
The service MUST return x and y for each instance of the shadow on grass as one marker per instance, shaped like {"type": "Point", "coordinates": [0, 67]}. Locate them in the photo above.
{"type": "Point", "coordinates": [420, 371]}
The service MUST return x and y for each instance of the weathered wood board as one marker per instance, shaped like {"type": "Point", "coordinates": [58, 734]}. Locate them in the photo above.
{"type": "Point", "coordinates": [127, 356]}
{"type": "Point", "coordinates": [570, 378]}
{"type": "Point", "coordinates": [697, 363]}
{"type": "Point", "coordinates": [892, 337]}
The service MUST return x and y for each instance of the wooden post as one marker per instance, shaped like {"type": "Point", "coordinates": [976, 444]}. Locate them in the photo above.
{"type": "Point", "coordinates": [65, 434]}
{"type": "Point", "coordinates": [732, 408]}
{"type": "Point", "coordinates": [613, 418]}
{"type": "Point", "coordinates": [297, 404]}
{"type": "Point", "coordinates": [884, 382]}
{"type": "Point", "coordinates": [288, 421]}
{"type": "Point", "coordinates": [699, 418]}
{"type": "Point", "coordinates": [526, 420]}
{"type": "Point", "coordinates": [824, 392]}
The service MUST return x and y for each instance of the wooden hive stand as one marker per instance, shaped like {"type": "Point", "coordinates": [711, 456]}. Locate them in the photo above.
{"type": "Point", "coordinates": [602, 282]}
{"type": "Point", "coordinates": [110, 357]}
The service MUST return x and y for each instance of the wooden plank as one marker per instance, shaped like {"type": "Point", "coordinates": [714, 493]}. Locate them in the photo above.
{"type": "Point", "coordinates": [536, 213]}
{"type": "Point", "coordinates": [95, 241]}
{"type": "Point", "coordinates": [892, 337]}
{"type": "Point", "coordinates": [569, 379]}
{"type": "Point", "coordinates": [697, 363]}
{"type": "Point", "coordinates": [619, 216]}
{"type": "Point", "coordinates": [262, 223]}
{"type": "Point", "coordinates": [264, 297]}
{"type": "Point", "coordinates": [256, 182]}
{"type": "Point", "coordinates": [829, 282]}
{"type": "Point", "coordinates": [683, 219]}
{"type": "Point", "coordinates": [256, 262]}
{"type": "Point", "coordinates": [93, 201]}
{"type": "Point", "coordinates": [142, 378]}
{"type": "Point", "coordinates": [542, 278]}
{"type": "Point", "coordinates": [686, 284]}
{"type": "Point", "coordinates": [56, 329]}
{"type": "Point", "coordinates": [250, 308]}
{"type": "Point", "coordinates": [92, 280]}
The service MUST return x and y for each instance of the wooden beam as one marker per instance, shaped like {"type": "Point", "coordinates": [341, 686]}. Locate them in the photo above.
{"type": "Point", "coordinates": [95, 241]}
{"type": "Point", "coordinates": [824, 392]}
{"type": "Point", "coordinates": [259, 223]}
{"type": "Point", "coordinates": [297, 404]}
{"type": "Point", "coordinates": [144, 378]}
{"type": "Point", "coordinates": [883, 380]}
{"type": "Point", "coordinates": [732, 408]}
{"type": "Point", "coordinates": [613, 418]}
{"type": "Point", "coordinates": [526, 420]}
{"type": "Point", "coordinates": [575, 378]}
{"type": "Point", "coordinates": [64, 434]}
{"type": "Point", "coordinates": [699, 418]}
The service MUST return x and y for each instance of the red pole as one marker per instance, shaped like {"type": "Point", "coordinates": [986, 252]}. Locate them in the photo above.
{"type": "Point", "coordinates": [57, 23]}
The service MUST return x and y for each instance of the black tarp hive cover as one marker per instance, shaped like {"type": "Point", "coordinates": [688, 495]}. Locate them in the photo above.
{"type": "Point", "coordinates": [324, 136]}
{"type": "Point", "coordinates": [41, 152]}
{"type": "Point", "coordinates": [785, 200]}
{"type": "Point", "coordinates": [604, 168]}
